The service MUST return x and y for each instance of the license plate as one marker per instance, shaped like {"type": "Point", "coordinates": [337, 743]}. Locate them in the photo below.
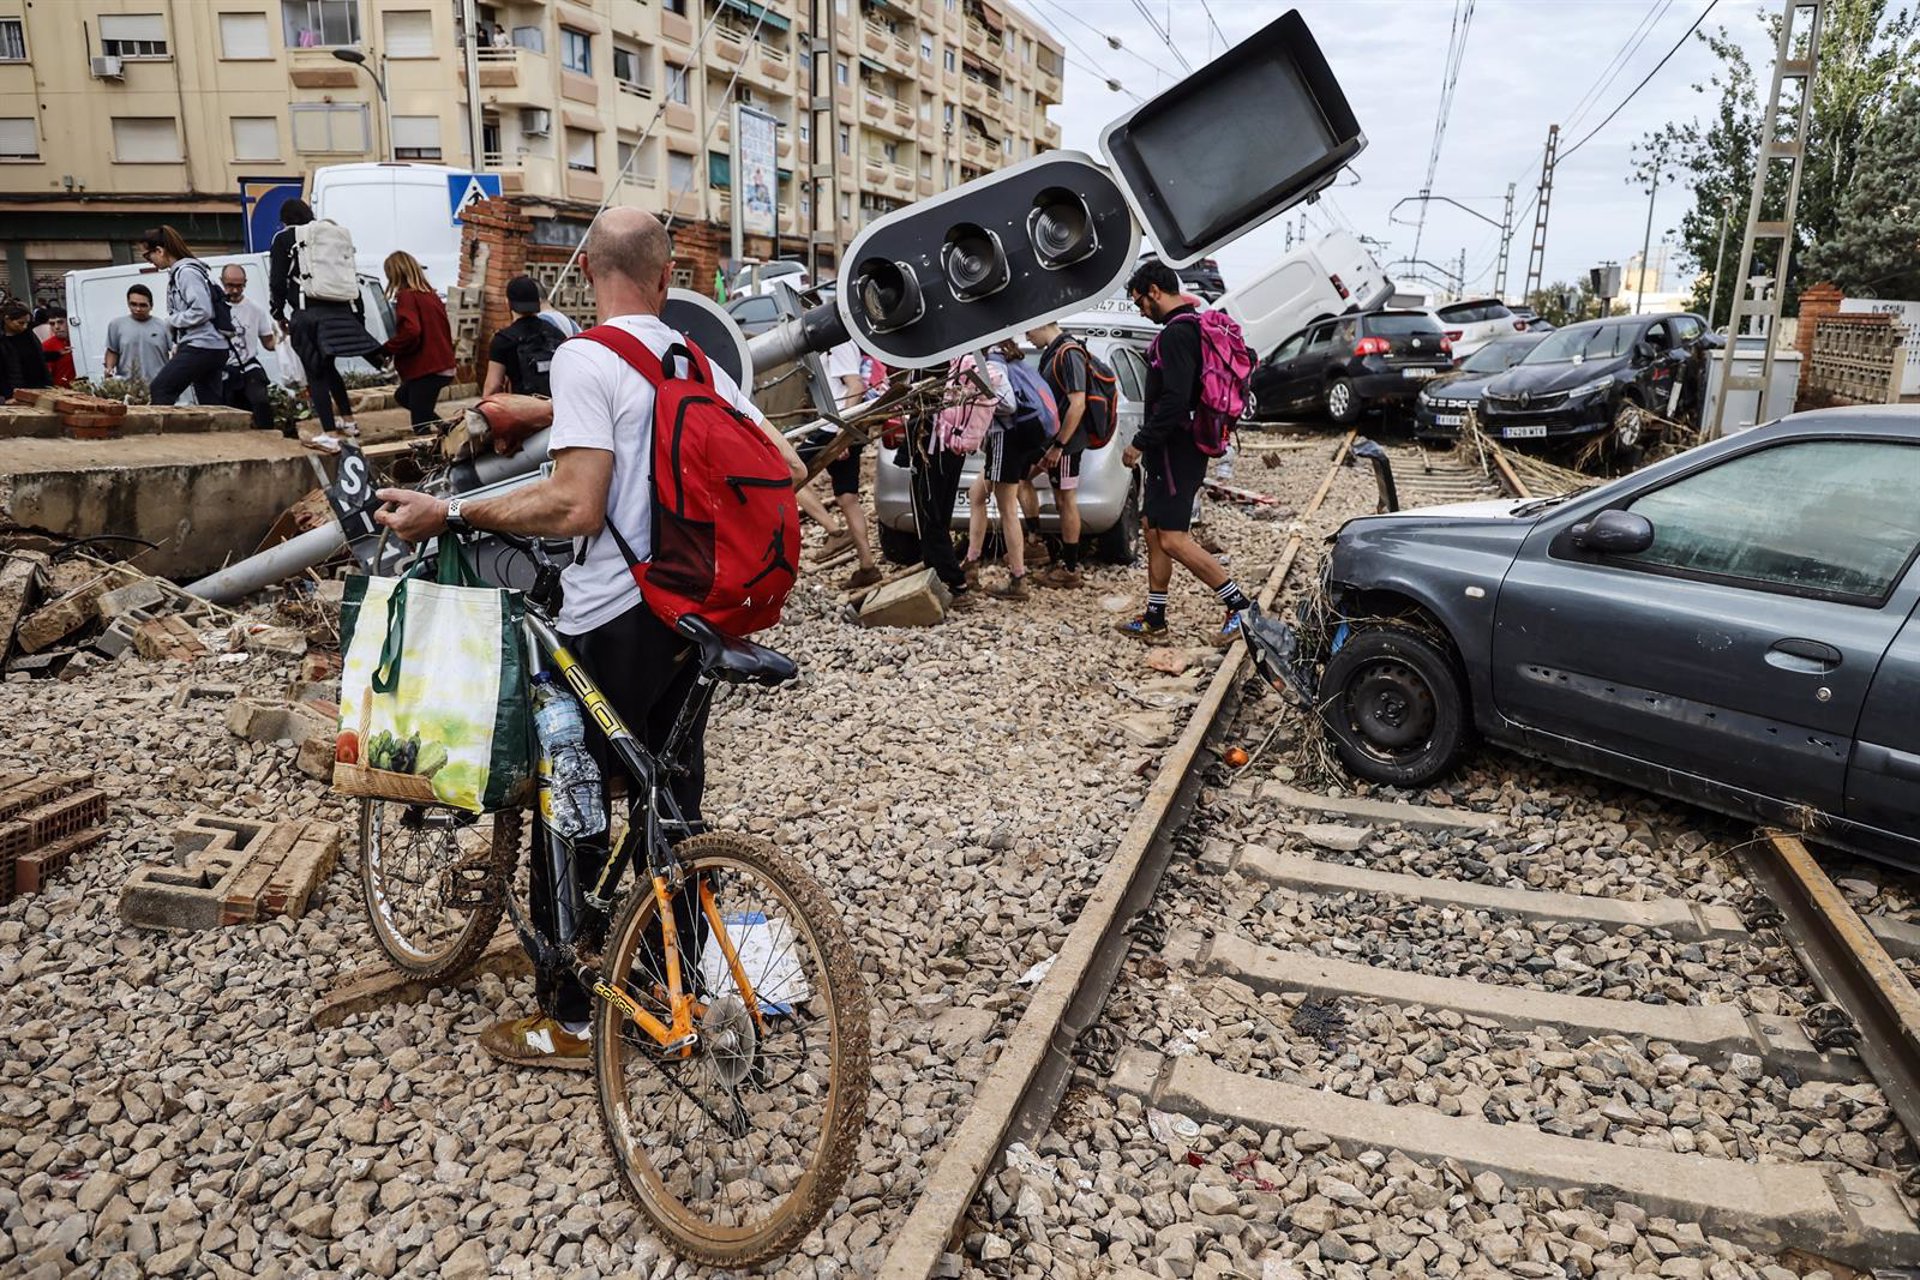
{"type": "Point", "coordinates": [1449, 419]}
{"type": "Point", "coordinates": [1418, 373]}
{"type": "Point", "coordinates": [1523, 433]}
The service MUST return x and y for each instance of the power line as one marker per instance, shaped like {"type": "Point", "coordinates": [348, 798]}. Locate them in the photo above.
{"type": "Point", "coordinates": [1611, 72]}
{"type": "Point", "coordinates": [1166, 37]}
{"type": "Point", "coordinates": [1450, 78]}
{"type": "Point", "coordinates": [1091, 65]}
{"type": "Point", "coordinates": [1225, 43]}
{"type": "Point", "coordinates": [1113, 41]}
{"type": "Point", "coordinates": [1685, 36]}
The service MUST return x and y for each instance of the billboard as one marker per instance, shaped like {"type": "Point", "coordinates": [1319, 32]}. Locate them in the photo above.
{"type": "Point", "coordinates": [756, 182]}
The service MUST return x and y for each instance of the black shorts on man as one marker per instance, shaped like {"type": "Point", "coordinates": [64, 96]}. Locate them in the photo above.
{"type": "Point", "coordinates": [1012, 453]}
{"type": "Point", "coordinates": [1171, 476]}
{"type": "Point", "coordinates": [844, 471]}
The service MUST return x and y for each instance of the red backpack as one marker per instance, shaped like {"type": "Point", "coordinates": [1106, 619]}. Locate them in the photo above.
{"type": "Point", "coordinates": [726, 528]}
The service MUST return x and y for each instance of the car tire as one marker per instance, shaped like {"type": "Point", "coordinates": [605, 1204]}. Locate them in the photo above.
{"type": "Point", "coordinates": [1121, 543]}
{"type": "Point", "coordinates": [899, 546]}
{"type": "Point", "coordinates": [1395, 705]}
{"type": "Point", "coordinates": [1343, 404]}
{"type": "Point", "coordinates": [1251, 413]}
{"type": "Point", "coordinates": [1627, 429]}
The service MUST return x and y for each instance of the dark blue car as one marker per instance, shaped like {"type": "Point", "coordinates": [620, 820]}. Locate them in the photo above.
{"type": "Point", "coordinates": [1444, 403]}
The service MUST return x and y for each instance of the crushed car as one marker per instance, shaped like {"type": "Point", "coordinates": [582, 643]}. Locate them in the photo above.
{"type": "Point", "coordinates": [1734, 626]}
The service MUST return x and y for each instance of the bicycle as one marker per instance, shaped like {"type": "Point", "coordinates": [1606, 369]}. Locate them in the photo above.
{"type": "Point", "coordinates": [724, 985]}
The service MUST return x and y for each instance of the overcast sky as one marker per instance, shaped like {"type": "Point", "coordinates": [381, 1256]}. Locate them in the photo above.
{"type": "Point", "coordinates": [1527, 64]}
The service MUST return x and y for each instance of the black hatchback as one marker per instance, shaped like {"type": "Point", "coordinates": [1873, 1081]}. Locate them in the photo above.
{"type": "Point", "coordinates": [1348, 364]}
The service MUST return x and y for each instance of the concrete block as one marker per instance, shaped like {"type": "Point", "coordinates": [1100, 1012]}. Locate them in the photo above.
{"type": "Point", "coordinates": [24, 422]}
{"type": "Point", "coordinates": [1332, 835]}
{"type": "Point", "coordinates": [315, 757]}
{"type": "Point", "coordinates": [231, 871]}
{"type": "Point", "coordinates": [40, 666]}
{"type": "Point", "coordinates": [57, 621]}
{"type": "Point", "coordinates": [917, 600]}
{"type": "Point", "coordinates": [302, 722]}
{"type": "Point", "coordinates": [145, 593]}
{"type": "Point", "coordinates": [117, 638]}
{"type": "Point", "coordinates": [22, 578]}
{"type": "Point", "coordinates": [222, 418]}
{"type": "Point", "coordinates": [279, 642]}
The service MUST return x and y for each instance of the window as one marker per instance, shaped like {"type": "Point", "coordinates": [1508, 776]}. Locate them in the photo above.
{"type": "Point", "coordinates": [314, 24]}
{"type": "Point", "coordinates": [623, 153]}
{"type": "Point", "coordinates": [926, 46]}
{"type": "Point", "coordinates": [581, 153]}
{"type": "Point", "coordinates": [891, 150]}
{"type": "Point", "coordinates": [841, 74]}
{"type": "Point", "coordinates": [576, 51]}
{"type": "Point", "coordinates": [416, 137]}
{"type": "Point", "coordinates": [806, 132]}
{"type": "Point", "coordinates": [145, 140]}
{"type": "Point", "coordinates": [1320, 337]}
{"type": "Point", "coordinates": [949, 61]}
{"type": "Point", "coordinates": [674, 6]}
{"type": "Point", "coordinates": [926, 166]}
{"type": "Point", "coordinates": [947, 114]}
{"type": "Point", "coordinates": [19, 138]}
{"type": "Point", "coordinates": [628, 67]}
{"type": "Point", "coordinates": [133, 35]}
{"type": "Point", "coordinates": [926, 106]}
{"type": "Point", "coordinates": [1687, 329]}
{"type": "Point", "coordinates": [1831, 518]}
{"type": "Point", "coordinates": [243, 37]}
{"type": "Point", "coordinates": [330, 127]}
{"type": "Point", "coordinates": [806, 64]}
{"type": "Point", "coordinates": [409, 34]}
{"type": "Point", "coordinates": [532, 39]}
{"type": "Point", "coordinates": [846, 207]}
{"type": "Point", "coordinates": [756, 309]}
{"type": "Point", "coordinates": [13, 40]}
{"type": "Point", "coordinates": [846, 140]}
{"type": "Point", "coordinates": [1130, 370]}
{"type": "Point", "coordinates": [256, 138]}
{"type": "Point", "coordinates": [1288, 349]}
{"type": "Point", "coordinates": [679, 171]}
{"type": "Point", "coordinates": [719, 170]}
{"type": "Point", "coordinates": [676, 84]}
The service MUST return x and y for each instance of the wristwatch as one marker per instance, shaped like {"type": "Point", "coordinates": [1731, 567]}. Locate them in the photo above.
{"type": "Point", "coordinates": [456, 523]}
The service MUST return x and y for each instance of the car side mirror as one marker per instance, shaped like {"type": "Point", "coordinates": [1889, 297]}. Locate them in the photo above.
{"type": "Point", "coordinates": [1643, 352]}
{"type": "Point", "coordinates": [1614, 533]}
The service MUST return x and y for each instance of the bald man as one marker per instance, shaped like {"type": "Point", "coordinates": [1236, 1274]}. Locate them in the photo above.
{"type": "Point", "coordinates": [601, 443]}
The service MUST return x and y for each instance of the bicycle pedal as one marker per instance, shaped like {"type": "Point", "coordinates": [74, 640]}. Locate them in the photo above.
{"type": "Point", "coordinates": [467, 886]}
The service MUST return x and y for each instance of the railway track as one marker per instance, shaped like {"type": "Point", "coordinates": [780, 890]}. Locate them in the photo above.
{"type": "Point", "coordinates": [1857, 1025]}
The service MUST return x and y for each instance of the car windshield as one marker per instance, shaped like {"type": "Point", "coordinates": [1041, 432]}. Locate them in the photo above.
{"type": "Point", "coordinates": [1399, 324]}
{"type": "Point", "coordinates": [1582, 342]}
{"type": "Point", "coordinates": [1495, 357]}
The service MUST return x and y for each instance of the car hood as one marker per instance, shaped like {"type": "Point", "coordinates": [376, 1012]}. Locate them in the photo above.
{"type": "Point", "coordinates": [1543, 378]}
{"type": "Point", "coordinates": [1460, 386]}
{"type": "Point", "coordinates": [1500, 510]}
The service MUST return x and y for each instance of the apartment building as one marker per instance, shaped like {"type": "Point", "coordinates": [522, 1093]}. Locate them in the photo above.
{"type": "Point", "coordinates": [116, 114]}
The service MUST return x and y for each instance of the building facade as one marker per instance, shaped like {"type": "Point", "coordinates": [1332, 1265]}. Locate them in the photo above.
{"type": "Point", "coordinates": [117, 114]}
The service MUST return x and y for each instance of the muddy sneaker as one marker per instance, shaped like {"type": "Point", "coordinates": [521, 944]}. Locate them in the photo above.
{"type": "Point", "coordinates": [861, 578]}
{"type": "Point", "coordinates": [1012, 589]}
{"type": "Point", "coordinates": [836, 542]}
{"type": "Point", "coordinates": [964, 600]}
{"type": "Point", "coordinates": [537, 1041]}
{"type": "Point", "coordinates": [1037, 551]}
{"type": "Point", "coordinates": [1143, 628]}
{"type": "Point", "coordinates": [325, 442]}
{"type": "Point", "coordinates": [1057, 575]}
{"type": "Point", "coordinates": [1229, 630]}
{"type": "Point", "coordinates": [972, 570]}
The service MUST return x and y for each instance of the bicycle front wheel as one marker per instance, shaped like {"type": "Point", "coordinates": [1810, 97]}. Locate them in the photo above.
{"type": "Point", "coordinates": [735, 1147]}
{"type": "Point", "coordinates": [433, 881]}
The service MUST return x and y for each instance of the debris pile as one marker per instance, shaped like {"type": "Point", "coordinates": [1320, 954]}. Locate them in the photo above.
{"type": "Point", "coordinates": [45, 818]}
{"type": "Point", "coordinates": [61, 614]}
{"type": "Point", "coordinates": [51, 412]}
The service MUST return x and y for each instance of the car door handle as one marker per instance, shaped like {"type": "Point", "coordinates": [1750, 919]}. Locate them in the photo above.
{"type": "Point", "coordinates": [1811, 657]}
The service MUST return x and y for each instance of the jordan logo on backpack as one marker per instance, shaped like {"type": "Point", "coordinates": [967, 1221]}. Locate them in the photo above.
{"type": "Point", "coordinates": [725, 539]}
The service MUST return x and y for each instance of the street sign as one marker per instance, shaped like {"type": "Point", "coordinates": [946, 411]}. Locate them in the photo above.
{"type": "Point", "coordinates": [260, 203]}
{"type": "Point", "coordinates": [464, 188]}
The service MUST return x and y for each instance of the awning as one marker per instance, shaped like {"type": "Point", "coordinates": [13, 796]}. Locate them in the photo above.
{"type": "Point", "coordinates": [879, 69]}
{"type": "Point", "coordinates": [991, 16]}
{"type": "Point", "coordinates": [758, 13]}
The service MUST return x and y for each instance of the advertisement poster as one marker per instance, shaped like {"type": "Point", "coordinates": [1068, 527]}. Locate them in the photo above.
{"type": "Point", "coordinates": [755, 177]}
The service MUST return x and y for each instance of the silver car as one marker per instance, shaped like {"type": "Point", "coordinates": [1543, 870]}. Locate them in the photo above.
{"type": "Point", "coordinates": [1109, 492]}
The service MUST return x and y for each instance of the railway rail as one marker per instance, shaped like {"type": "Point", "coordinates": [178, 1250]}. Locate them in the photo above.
{"type": "Point", "coordinates": [1861, 1217]}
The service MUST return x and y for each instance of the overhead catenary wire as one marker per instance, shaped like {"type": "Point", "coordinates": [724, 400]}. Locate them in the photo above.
{"type": "Point", "coordinates": [1449, 80]}
{"type": "Point", "coordinates": [1644, 80]}
{"type": "Point", "coordinates": [1166, 37]}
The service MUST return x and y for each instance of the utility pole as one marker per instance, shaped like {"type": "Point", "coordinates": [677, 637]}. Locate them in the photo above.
{"type": "Point", "coordinates": [1506, 242]}
{"type": "Point", "coordinates": [823, 122]}
{"type": "Point", "coordinates": [1537, 256]}
{"type": "Point", "coordinates": [469, 50]}
{"type": "Point", "coordinates": [1798, 17]}
{"type": "Point", "coordinates": [1719, 256]}
{"type": "Point", "coordinates": [1646, 241]}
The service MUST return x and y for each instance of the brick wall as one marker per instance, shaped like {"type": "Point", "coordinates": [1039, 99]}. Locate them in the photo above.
{"type": "Point", "coordinates": [1816, 304]}
{"type": "Point", "coordinates": [494, 241]}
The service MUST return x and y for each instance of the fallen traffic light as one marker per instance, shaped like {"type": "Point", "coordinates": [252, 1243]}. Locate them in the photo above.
{"type": "Point", "coordinates": [988, 260]}
{"type": "Point", "coordinates": [1246, 137]}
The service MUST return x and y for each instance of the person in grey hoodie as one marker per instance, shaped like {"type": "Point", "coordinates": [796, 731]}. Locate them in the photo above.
{"type": "Point", "coordinates": [200, 348]}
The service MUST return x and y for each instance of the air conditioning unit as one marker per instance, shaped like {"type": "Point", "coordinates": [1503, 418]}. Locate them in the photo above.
{"type": "Point", "coordinates": [106, 67]}
{"type": "Point", "coordinates": [536, 122]}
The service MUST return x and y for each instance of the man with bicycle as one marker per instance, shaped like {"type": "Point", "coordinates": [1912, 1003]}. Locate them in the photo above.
{"type": "Point", "coordinates": [601, 445]}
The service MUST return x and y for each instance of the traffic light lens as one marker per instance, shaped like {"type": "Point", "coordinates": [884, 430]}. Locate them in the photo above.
{"type": "Point", "coordinates": [975, 264]}
{"type": "Point", "coordinates": [1060, 228]}
{"type": "Point", "coordinates": [889, 294]}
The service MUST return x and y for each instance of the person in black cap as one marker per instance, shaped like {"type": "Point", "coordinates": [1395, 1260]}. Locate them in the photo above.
{"type": "Point", "coordinates": [520, 357]}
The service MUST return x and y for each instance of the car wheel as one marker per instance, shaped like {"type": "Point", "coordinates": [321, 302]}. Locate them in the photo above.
{"type": "Point", "coordinates": [1394, 702]}
{"type": "Point", "coordinates": [1343, 405]}
{"type": "Point", "coordinates": [1121, 543]}
{"type": "Point", "coordinates": [1252, 411]}
{"type": "Point", "coordinates": [899, 546]}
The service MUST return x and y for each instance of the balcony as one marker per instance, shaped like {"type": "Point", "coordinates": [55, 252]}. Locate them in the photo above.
{"type": "Point", "coordinates": [319, 69]}
{"type": "Point", "coordinates": [977, 151]}
{"type": "Point", "coordinates": [727, 47]}
{"type": "Point", "coordinates": [980, 40]}
{"type": "Point", "coordinates": [974, 94]}
{"type": "Point", "coordinates": [585, 186]}
{"type": "Point", "coordinates": [928, 131]}
{"type": "Point", "coordinates": [770, 67]}
{"type": "Point", "coordinates": [874, 172]}
{"type": "Point", "coordinates": [1046, 82]}
{"type": "Point", "coordinates": [511, 169]}
{"type": "Point", "coordinates": [930, 13]}
{"type": "Point", "coordinates": [520, 72]}
{"type": "Point", "coordinates": [900, 182]}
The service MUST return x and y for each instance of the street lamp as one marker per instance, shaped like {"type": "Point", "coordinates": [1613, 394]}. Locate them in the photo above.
{"type": "Point", "coordinates": [359, 59]}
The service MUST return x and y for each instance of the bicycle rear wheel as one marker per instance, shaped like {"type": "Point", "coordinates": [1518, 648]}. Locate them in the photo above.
{"type": "Point", "coordinates": [735, 1150]}
{"type": "Point", "coordinates": [433, 881]}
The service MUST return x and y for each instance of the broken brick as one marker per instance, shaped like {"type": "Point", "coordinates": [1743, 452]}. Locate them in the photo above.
{"type": "Point", "coordinates": [231, 871]}
{"type": "Point", "coordinates": [57, 621]}
{"type": "Point", "coordinates": [20, 585]}
{"type": "Point", "coordinates": [169, 639]}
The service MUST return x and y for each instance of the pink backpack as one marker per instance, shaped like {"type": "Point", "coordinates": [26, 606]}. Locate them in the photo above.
{"type": "Point", "coordinates": [1226, 362]}
{"type": "Point", "coordinates": [963, 422]}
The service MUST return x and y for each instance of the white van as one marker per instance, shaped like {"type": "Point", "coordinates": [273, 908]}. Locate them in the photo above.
{"type": "Point", "coordinates": [393, 205]}
{"type": "Point", "coordinates": [96, 296]}
{"type": "Point", "coordinates": [1333, 275]}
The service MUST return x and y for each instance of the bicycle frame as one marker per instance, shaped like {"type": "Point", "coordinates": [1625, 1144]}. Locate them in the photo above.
{"type": "Point", "coordinates": [646, 821]}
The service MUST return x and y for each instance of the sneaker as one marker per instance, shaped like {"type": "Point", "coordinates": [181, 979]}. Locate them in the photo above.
{"type": "Point", "coordinates": [972, 570]}
{"type": "Point", "coordinates": [349, 428]}
{"type": "Point", "coordinates": [860, 578]}
{"type": "Point", "coordinates": [325, 442]}
{"type": "Point", "coordinates": [1057, 575]}
{"type": "Point", "coordinates": [837, 541]}
{"type": "Point", "coordinates": [537, 1041]}
{"type": "Point", "coordinates": [1143, 628]}
{"type": "Point", "coordinates": [964, 600]}
{"type": "Point", "coordinates": [1229, 630]}
{"type": "Point", "coordinates": [1037, 551]}
{"type": "Point", "coordinates": [1012, 589]}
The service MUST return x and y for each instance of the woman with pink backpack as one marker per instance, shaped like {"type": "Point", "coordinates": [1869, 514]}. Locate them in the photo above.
{"type": "Point", "coordinates": [1016, 439]}
{"type": "Point", "coordinates": [939, 445]}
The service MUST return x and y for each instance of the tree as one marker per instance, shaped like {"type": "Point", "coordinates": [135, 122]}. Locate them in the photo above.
{"type": "Point", "coordinates": [1874, 251]}
{"type": "Point", "coordinates": [1561, 303]}
{"type": "Point", "coordinates": [1867, 56]}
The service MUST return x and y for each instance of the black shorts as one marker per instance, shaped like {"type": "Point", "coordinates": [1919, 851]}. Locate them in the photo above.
{"type": "Point", "coordinates": [1011, 455]}
{"type": "Point", "coordinates": [1171, 476]}
{"type": "Point", "coordinates": [844, 471]}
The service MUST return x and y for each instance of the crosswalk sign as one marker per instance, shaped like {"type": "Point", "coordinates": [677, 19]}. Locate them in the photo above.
{"type": "Point", "coordinates": [464, 188]}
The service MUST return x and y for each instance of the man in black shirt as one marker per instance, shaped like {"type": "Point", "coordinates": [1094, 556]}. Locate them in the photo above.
{"type": "Point", "coordinates": [520, 357]}
{"type": "Point", "coordinates": [1173, 468]}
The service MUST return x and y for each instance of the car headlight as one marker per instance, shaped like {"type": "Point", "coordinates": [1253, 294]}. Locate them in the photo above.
{"type": "Point", "coordinates": [1591, 388]}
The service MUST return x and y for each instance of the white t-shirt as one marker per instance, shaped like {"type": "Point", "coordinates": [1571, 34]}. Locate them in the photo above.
{"type": "Point", "coordinates": [843, 362]}
{"type": "Point", "coordinates": [250, 325]}
{"type": "Point", "coordinates": [602, 402]}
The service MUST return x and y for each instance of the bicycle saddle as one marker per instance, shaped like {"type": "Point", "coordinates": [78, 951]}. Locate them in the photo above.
{"type": "Point", "coordinates": [733, 660]}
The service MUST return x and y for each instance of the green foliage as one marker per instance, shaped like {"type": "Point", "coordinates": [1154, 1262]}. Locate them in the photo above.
{"type": "Point", "coordinates": [131, 390]}
{"type": "Point", "coordinates": [1551, 303]}
{"type": "Point", "coordinates": [1867, 55]}
{"type": "Point", "coordinates": [1874, 250]}
{"type": "Point", "coordinates": [355, 381]}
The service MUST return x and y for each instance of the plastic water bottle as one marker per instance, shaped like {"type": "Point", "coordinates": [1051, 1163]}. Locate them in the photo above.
{"type": "Point", "coordinates": [579, 807]}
